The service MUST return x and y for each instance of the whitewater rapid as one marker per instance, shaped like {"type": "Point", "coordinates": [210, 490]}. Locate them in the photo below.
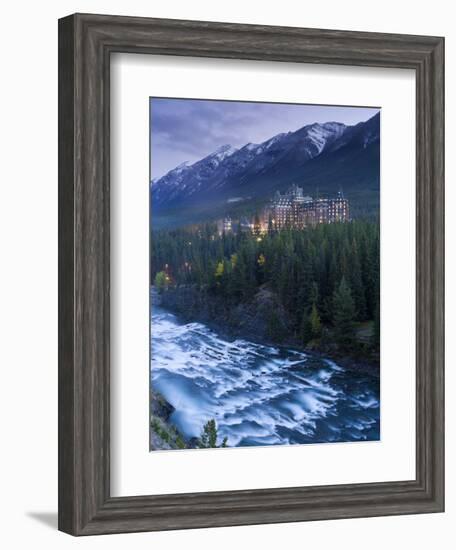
{"type": "Point", "coordinates": [258, 394]}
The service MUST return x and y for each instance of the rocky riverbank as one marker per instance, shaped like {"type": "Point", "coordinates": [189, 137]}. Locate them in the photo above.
{"type": "Point", "coordinates": [250, 320]}
{"type": "Point", "coordinates": [163, 435]}
{"type": "Point", "coordinates": [262, 320]}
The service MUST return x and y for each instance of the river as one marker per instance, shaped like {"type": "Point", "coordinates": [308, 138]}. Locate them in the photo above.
{"type": "Point", "coordinates": [258, 394]}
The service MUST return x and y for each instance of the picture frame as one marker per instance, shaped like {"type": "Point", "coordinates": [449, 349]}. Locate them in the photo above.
{"type": "Point", "coordinates": [85, 45]}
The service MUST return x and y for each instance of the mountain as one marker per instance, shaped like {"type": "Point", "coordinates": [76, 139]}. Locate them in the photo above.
{"type": "Point", "coordinates": [318, 157]}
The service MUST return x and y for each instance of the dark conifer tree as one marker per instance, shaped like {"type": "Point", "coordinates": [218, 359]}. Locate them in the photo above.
{"type": "Point", "coordinates": [356, 283]}
{"type": "Point", "coordinates": [302, 268]}
{"type": "Point", "coordinates": [344, 314]}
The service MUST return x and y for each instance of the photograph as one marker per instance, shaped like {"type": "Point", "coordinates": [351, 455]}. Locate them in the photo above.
{"type": "Point", "coordinates": [264, 274]}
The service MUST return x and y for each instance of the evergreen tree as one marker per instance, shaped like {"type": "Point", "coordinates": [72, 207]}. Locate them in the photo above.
{"type": "Point", "coordinates": [306, 329]}
{"type": "Point", "coordinates": [240, 278]}
{"type": "Point", "coordinates": [219, 270]}
{"type": "Point", "coordinates": [275, 329]}
{"type": "Point", "coordinates": [310, 328]}
{"type": "Point", "coordinates": [357, 286]}
{"type": "Point", "coordinates": [302, 268]}
{"type": "Point", "coordinates": [260, 271]}
{"type": "Point", "coordinates": [343, 317]}
{"type": "Point", "coordinates": [209, 436]}
{"type": "Point", "coordinates": [315, 322]}
{"type": "Point", "coordinates": [314, 293]}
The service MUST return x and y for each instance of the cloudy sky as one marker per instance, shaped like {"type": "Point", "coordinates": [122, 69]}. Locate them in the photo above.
{"type": "Point", "coordinates": [189, 129]}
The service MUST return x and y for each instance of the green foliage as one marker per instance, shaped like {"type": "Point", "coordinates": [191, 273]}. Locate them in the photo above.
{"type": "Point", "coordinates": [303, 268]}
{"type": "Point", "coordinates": [344, 315]}
{"type": "Point", "coordinates": [161, 281]}
{"type": "Point", "coordinates": [168, 434]}
{"type": "Point", "coordinates": [275, 329]}
{"type": "Point", "coordinates": [305, 329]}
{"type": "Point", "coordinates": [311, 326]}
{"type": "Point", "coordinates": [160, 430]}
{"type": "Point", "coordinates": [219, 270]}
{"type": "Point", "coordinates": [180, 442]}
{"type": "Point", "coordinates": [208, 439]}
{"type": "Point", "coordinates": [315, 322]}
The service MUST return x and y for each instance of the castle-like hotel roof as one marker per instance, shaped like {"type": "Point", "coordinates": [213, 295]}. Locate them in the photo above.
{"type": "Point", "coordinates": [293, 210]}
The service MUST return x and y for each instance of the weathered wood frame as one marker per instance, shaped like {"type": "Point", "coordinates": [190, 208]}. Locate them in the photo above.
{"type": "Point", "coordinates": [85, 45]}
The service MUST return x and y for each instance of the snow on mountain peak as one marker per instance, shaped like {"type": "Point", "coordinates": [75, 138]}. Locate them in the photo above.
{"type": "Point", "coordinates": [271, 141]}
{"type": "Point", "coordinates": [251, 146]}
{"type": "Point", "coordinates": [223, 152]}
{"type": "Point", "coordinates": [318, 138]}
{"type": "Point", "coordinates": [320, 134]}
{"type": "Point", "coordinates": [226, 169]}
{"type": "Point", "coordinates": [336, 126]}
{"type": "Point", "coordinates": [182, 166]}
